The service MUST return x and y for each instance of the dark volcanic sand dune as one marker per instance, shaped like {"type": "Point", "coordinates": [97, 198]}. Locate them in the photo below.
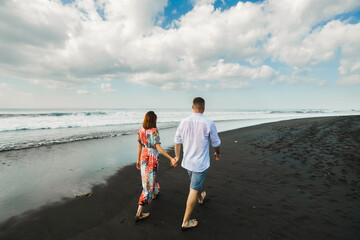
{"type": "Point", "coordinates": [295, 179]}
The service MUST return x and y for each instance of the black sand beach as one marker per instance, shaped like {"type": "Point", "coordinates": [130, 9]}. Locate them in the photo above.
{"type": "Point", "coordinates": [297, 179]}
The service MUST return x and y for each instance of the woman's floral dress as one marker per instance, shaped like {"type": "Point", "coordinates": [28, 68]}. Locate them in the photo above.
{"type": "Point", "coordinates": [148, 138]}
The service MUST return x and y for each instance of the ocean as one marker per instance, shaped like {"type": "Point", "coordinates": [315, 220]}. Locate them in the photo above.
{"type": "Point", "coordinates": [29, 128]}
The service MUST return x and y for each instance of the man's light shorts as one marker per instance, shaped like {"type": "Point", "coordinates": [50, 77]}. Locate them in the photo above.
{"type": "Point", "coordinates": [197, 179]}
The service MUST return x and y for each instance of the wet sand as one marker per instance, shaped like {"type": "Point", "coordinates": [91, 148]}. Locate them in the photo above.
{"type": "Point", "coordinates": [297, 179]}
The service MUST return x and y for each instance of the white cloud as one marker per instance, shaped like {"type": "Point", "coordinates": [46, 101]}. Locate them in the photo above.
{"type": "Point", "coordinates": [185, 86]}
{"type": "Point", "coordinates": [13, 98]}
{"type": "Point", "coordinates": [350, 80]}
{"type": "Point", "coordinates": [202, 2]}
{"type": "Point", "coordinates": [67, 46]}
{"type": "Point", "coordinates": [81, 91]}
{"type": "Point", "coordinates": [106, 87]}
{"type": "Point", "coordinates": [296, 79]}
{"type": "Point", "coordinates": [349, 67]}
{"type": "Point", "coordinates": [4, 87]}
{"type": "Point", "coordinates": [321, 44]}
{"type": "Point", "coordinates": [291, 24]}
{"type": "Point", "coordinates": [231, 85]}
{"type": "Point", "coordinates": [221, 74]}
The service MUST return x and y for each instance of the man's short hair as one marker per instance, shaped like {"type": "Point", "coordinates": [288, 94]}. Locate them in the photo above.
{"type": "Point", "coordinates": [199, 103]}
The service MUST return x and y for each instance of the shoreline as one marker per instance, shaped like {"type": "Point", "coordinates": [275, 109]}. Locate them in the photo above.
{"type": "Point", "coordinates": [292, 179]}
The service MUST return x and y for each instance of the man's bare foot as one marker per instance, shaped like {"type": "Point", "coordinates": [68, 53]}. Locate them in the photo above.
{"type": "Point", "coordinates": [203, 195]}
{"type": "Point", "coordinates": [190, 224]}
{"type": "Point", "coordinates": [141, 216]}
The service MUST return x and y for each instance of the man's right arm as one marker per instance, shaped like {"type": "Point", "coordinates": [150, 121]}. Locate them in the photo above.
{"type": "Point", "coordinates": [178, 142]}
{"type": "Point", "coordinates": [217, 153]}
{"type": "Point", "coordinates": [215, 141]}
{"type": "Point", "coordinates": [177, 150]}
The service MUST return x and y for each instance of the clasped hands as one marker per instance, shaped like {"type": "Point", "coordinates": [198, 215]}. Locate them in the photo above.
{"type": "Point", "coordinates": [174, 161]}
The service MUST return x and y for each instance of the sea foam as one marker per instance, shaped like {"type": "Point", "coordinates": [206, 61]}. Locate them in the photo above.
{"type": "Point", "coordinates": [33, 128]}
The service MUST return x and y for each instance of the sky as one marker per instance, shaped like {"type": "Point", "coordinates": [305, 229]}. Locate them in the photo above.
{"type": "Point", "coordinates": [273, 54]}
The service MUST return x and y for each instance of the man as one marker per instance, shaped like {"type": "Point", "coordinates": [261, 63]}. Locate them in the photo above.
{"type": "Point", "coordinates": [194, 133]}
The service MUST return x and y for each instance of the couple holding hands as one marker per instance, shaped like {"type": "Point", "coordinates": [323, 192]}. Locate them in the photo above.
{"type": "Point", "coordinates": [195, 133]}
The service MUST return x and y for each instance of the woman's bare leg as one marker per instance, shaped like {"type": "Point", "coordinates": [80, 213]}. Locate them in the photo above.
{"type": "Point", "coordinates": [140, 215]}
{"type": "Point", "coordinates": [139, 211]}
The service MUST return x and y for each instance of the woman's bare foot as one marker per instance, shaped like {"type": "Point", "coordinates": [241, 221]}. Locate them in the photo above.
{"type": "Point", "coordinates": [190, 224]}
{"type": "Point", "coordinates": [141, 216]}
{"type": "Point", "coordinates": [155, 196]}
{"type": "Point", "coordinates": [202, 197]}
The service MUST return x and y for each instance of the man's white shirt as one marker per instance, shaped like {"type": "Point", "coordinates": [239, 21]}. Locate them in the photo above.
{"type": "Point", "coordinates": [195, 134]}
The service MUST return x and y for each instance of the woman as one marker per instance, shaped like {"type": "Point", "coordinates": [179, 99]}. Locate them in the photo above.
{"type": "Point", "coordinates": [148, 162]}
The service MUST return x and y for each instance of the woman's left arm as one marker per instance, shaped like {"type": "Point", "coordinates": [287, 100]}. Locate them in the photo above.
{"type": "Point", "coordinates": [138, 163]}
{"type": "Point", "coordinates": [163, 152]}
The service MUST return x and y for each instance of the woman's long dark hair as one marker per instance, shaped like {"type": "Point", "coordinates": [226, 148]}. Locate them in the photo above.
{"type": "Point", "coordinates": [150, 120]}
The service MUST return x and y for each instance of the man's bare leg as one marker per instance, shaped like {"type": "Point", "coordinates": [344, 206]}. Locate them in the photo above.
{"type": "Point", "coordinates": [190, 205]}
{"type": "Point", "coordinates": [201, 197]}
